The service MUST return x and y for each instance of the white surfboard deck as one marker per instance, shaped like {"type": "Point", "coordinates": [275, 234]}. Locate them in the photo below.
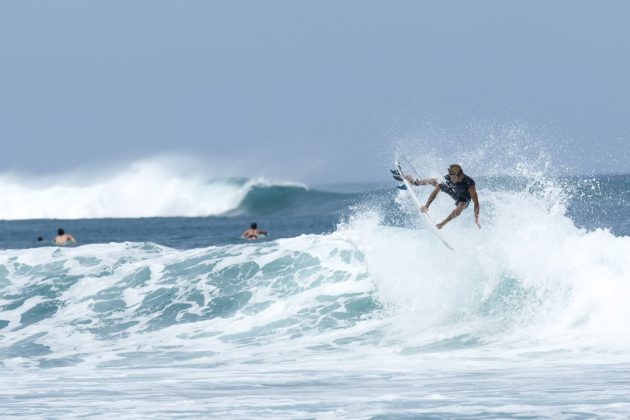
{"type": "Point", "coordinates": [424, 217]}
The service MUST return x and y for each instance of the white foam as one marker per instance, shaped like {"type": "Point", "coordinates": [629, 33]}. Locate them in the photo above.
{"type": "Point", "coordinates": [528, 276]}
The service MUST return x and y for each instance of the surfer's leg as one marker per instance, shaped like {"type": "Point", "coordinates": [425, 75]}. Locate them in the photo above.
{"type": "Point", "coordinates": [456, 212]}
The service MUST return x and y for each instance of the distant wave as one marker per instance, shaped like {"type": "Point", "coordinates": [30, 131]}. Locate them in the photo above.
{"type": "Point", "coordinates": [294, 200]}
{"type": "Point", "coordinates": [156, 189]}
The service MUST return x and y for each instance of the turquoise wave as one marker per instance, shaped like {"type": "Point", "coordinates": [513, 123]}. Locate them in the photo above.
{"type": "Point", "coordinates": [291, 200]}
{"type": "Point", "coordinates": [104, 294]}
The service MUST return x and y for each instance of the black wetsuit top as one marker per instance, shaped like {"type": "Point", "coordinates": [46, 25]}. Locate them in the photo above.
{"type": "Point", "coordinates": [457, 190]}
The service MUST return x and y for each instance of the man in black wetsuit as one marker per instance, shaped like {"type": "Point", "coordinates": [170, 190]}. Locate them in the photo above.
{"type": "Point", "coordinates": [459, 186]}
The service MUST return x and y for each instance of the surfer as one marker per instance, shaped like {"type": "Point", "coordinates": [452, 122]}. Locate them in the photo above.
{"type": "Point", "coordinates": [459, 186]}
{"type": "Point", "coordinates": [63, 238]}
{"type": "Point", "coordinates": [253, 232]}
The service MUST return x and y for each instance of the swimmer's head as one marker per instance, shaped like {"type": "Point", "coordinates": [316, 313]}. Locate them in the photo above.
{"type": "Point", "coordinates": [254, 226]}
{"type": "Point", "coordinates": [60, 232]}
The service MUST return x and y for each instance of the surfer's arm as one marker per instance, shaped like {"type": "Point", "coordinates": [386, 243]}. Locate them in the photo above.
{"type": "Point", "coordinates": [427, 181]}
{"type": "Point", "coordinates": [473, 195]}
{"type": "Point", "coordinates": [431, 198]}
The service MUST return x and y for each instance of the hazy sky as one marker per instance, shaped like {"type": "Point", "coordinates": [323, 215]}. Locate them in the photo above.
{"type": "Point", "coordinates": [318, 89]}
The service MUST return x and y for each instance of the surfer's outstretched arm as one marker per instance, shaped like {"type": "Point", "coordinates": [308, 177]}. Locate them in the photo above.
{"type": "Point", "coordinates": [426, 181]}
{"type": "Point", "coordinates": [456, 212]}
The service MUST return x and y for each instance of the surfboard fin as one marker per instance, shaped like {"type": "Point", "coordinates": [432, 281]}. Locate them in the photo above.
{"type": "Point", "coordinates": [396, 175]}
{"type": "Point", "coordinates": [402, 187]}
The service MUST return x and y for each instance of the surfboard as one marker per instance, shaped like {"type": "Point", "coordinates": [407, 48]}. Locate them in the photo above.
{"type": "Point", "coordinates": [424, 217]}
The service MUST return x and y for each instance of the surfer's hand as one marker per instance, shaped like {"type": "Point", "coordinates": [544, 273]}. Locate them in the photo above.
{"type": "Point", "coordinates": [439, 225]}
{"type": "Point", "coordinates": [477, 222]}
{"type": "Point", "coordinates": [410, 179]}
{"type": "Point", "coordinates": [424, 209]}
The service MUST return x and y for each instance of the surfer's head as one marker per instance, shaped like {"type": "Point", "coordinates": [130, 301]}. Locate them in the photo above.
{"type": "Point", "coordinates": [455, 172]}
{"type": "Point", "coordinates": [60, 232]}
{"type": "Point", "coordinates": [455, 169]}
{"type": "Point", "coordinates": [253, 226]}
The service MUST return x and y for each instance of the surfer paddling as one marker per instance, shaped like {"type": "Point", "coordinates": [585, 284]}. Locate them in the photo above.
{"type": "Point", "coordinates": [253, 232]}
{"type": "Point", "coordinates": [63, 238]}
{"type": "Point", "coordinates": [459, 186]}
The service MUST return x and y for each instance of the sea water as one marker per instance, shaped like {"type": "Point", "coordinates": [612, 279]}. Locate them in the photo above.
{"type": "Point", "coordinates": [348, 309]}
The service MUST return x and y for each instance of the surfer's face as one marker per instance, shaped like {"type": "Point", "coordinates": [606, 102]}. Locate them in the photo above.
{"type": "Point", "coordinates": [456, 177]}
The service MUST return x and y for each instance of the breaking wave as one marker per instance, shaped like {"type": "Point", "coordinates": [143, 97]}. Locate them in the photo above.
{"type": "Point", "coordinates": [157, 189]}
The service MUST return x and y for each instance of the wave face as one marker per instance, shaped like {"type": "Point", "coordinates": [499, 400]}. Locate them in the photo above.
{"type": "Point", "coordinates": [157, 188]}
{"type": "Point", "coordinates": [120, 302]}
{"type": "Point", "coordinates": [291, 200]}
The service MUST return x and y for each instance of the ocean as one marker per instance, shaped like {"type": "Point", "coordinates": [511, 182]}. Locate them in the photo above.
{"type": "Point", "coordinates": [348, 309]}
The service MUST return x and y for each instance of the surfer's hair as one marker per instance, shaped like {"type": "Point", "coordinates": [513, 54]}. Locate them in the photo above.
{"type": "Point", "coordinates": [455, 169]}
{"type": "Point", "coordinates": [60, 232]}
{"type": "Point", "coordinates": [254, 225]}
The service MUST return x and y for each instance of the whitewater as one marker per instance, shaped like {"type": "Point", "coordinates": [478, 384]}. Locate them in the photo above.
{"type": "Point", "coordinates": [348, 309]}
